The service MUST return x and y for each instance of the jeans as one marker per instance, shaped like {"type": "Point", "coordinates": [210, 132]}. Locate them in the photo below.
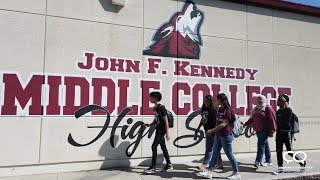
{"type": "Point", "coordinates": [284, 138]}
{"type": "Point", "coordinates": [224, 142]}
{"type": "Point", "coordinates": [209, 150]}
{"type": "Point", "coordinates": [263, 147]}
{"type": "Point", "coordinates": [159, 139]}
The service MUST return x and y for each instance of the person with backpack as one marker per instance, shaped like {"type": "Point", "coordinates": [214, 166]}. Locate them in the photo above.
{"type": "Point", "coordinates": [223, 138]}
{"type": "Point", "coordinates": [284, 133]}
{"type": "Point", "coordinates": [208, 121]}
{"type": "Point", "coordinates": [162, 132]}
{"type": "Point", "coordinates": [263, 121]}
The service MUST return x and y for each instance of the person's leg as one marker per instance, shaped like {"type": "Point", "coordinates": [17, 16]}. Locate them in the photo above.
{"type": "Point", "coordinates": [260, 148]}
{"type": "Point", "coordinates": [164, 149]}
{"type": "Point", "coordinates": [227, 147]}
{"type": "Point", "coordinates": [209, 149]}
{"type": "Point", "coordinates": [267, 150]}
{"type": "Point", "coordinates": [154, 147]}
{"type": "Point", "coordinates": [215, 154]}
{"type": "Point", "coordinates": [279, 148]}
{"type": "Point", "coordinates": [288, 143]}
{"type": "Point", "coordinates": [219, 161]}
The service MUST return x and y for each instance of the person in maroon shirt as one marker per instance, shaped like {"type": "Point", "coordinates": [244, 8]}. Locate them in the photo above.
{"type": "Point", "coordinates": [263, 121]}
{"type": "Point", "coordinates": [223, 138]}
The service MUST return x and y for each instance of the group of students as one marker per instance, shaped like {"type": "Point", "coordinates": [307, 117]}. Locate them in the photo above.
{"type": "Point", "coordinates": [218, 121]}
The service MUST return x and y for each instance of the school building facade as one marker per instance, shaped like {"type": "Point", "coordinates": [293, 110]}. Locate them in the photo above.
{"type": "Point", "coordinates": [58, 57]}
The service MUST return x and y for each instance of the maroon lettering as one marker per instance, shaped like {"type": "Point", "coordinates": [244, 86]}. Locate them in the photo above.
{"type": "Point", "coordinates": [71, 84]}
{"type": "Point", "coordinates": [206, 71]}
{"type": "Point", "coordinates": [116, 63]}
{"type": "Point", "coordinates": [240, 73]}
{"type": "Point", "coordinates": [195, 70]}
{"type": "Point", "coordinates": [103, 61]}
{"type": "Point", "coordinates": [230, 72]}
{"type": "Point", "coordinates": [270, 90]}
{"type": "Point", "coordinates": [252, 72]}
{"type": "Point", "coordinates": [133, 66]}
{"type": "Point", "coordinates": [53, 107]}
{"type": "Point", "coordinates": [13, 90]}
{"type": "Point", "coordinates": [219, 72]}
{"type": "Point", "coordinates": [250, 96]}
{"type": "Point", "coordinates": [98, 84]}
{"type": "Point", "coordinates": [89, 59]}
{"type": "Point", "coordinates": [146, 86]}
{"type": "Point", "coordinates": [195, 95]}
{"type": "Point", "coordinates": [185, 88]}
{"type": "Point", "coordinates": [153, 64]}
{"type": "Point", "coordinates": [180, 68]}
{"type": "Point", "coordinates": [234, 92]}
{"type": "Point", "coordinates": [123, 95]}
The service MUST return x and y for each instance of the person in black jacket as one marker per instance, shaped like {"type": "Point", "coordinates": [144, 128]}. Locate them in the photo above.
{"type": "Point", "coordinates": [209, 111]}
{"type": "Point", "coordinates": [162, 132]}
{"type": "Point", "coordinates": [284, 135]}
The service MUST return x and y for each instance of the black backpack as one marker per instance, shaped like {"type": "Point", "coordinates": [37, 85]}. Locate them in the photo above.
{"type": "Point", "coordinates": [294, 124]}
{"type": "Point", "coordinates": [170, 118]}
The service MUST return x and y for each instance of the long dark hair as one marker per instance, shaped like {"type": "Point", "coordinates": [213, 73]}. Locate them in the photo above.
{"type": "Point", "coordinates": [211, 105]}
{"type": "Point", "coordinates": [225, 102]}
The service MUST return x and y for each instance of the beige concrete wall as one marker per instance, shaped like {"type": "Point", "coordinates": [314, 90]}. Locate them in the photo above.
{"type": "Point", "coordinates": [50, 37]}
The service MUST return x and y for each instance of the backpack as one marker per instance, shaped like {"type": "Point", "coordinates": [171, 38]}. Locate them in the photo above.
{"type": "Point", "coordinates": [237, 127]}
{"type": "Point", "coordinates": [294, 124]}
{"type": "Point", "coordinates": [170, 118]}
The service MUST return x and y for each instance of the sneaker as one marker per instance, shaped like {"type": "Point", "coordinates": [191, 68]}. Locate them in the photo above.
{"type": "Point", "coordinates": [201, 167]}
{"type": "Point", "coordinates": [205, 174]}
{"type": "Point", "coordinates": [168, 167]}
{"type": "Point", "coordinates": [278, 171]}
{"type": "Point", "coordinates": [266, 164]}
{"type": "Point", "coordinates": [234, 176]}
{"type": "Point", "coordinates": [303, 167]}
{"type": "Point", "coordinates": [151, 170]}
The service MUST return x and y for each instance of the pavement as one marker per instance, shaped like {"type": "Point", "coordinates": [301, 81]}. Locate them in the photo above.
{"type": "Point", "coordinates": [187, 170]}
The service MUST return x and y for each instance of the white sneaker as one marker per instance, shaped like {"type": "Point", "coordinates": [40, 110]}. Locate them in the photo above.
{"type": "Point", "coordinates": [234, 176]}
{"type": "Point", "coordinates": [205, 174]}
{"type": "Point", "coordinates": [266, 164]}
{"type": "Point", "coordinates": [151, 170]}
{"type": "Point", "coordinates": [278, 171]}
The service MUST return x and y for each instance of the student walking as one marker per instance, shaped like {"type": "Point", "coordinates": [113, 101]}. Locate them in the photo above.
{"type": "Point", "coordinates": [162, 129]}
{"type": "Point", "coordinates": [208, 121]}
{"type": "Point", "coordinates": [284, 135]}
{"type": "Point", "coordinates": [223, 138]}
{"type": "Point", "coordinates": [263, 121]}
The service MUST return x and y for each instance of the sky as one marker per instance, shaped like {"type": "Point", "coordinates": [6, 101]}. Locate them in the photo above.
{"type": "Point", "coordinates": [315, 3]}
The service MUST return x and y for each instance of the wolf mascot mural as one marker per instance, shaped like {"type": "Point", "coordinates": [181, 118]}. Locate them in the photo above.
{"type": "Point", "coordinates": [180, 36]}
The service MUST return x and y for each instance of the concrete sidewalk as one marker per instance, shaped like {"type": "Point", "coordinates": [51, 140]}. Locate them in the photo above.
{"type": "Point", "coordinates": [188, 170]}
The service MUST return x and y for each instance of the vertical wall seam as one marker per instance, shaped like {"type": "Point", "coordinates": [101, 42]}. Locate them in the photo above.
{"type": "Point", "coordinates": [43, 72]}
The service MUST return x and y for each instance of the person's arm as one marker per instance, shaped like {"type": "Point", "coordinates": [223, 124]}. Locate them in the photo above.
{"type": "Point", "coordinates": [200, 124]}
{"type": "Point", "coordinates": [272, 121]}
{"type": "Point", "coordinates": [287, 117]}
{"type": "Point", "coordinates": [217, 128]}
{"type": "Point", "coordinates": [163, 113]}
{"type": "Point", "coordinates": [165, 118]}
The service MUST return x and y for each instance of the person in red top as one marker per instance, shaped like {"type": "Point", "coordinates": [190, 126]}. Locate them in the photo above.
{"type": "Point", "coordinates": [263, 121]}
{"type": "Point", "coordinates": [223, 138]}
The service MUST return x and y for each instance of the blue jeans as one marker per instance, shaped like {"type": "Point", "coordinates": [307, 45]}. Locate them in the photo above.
{"type": "Point", "coordinates": [263, 147]}
{"type": "Point", "coordinates": [224, 142]}
{"type": "Point", "coordinates": [209, 150]}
